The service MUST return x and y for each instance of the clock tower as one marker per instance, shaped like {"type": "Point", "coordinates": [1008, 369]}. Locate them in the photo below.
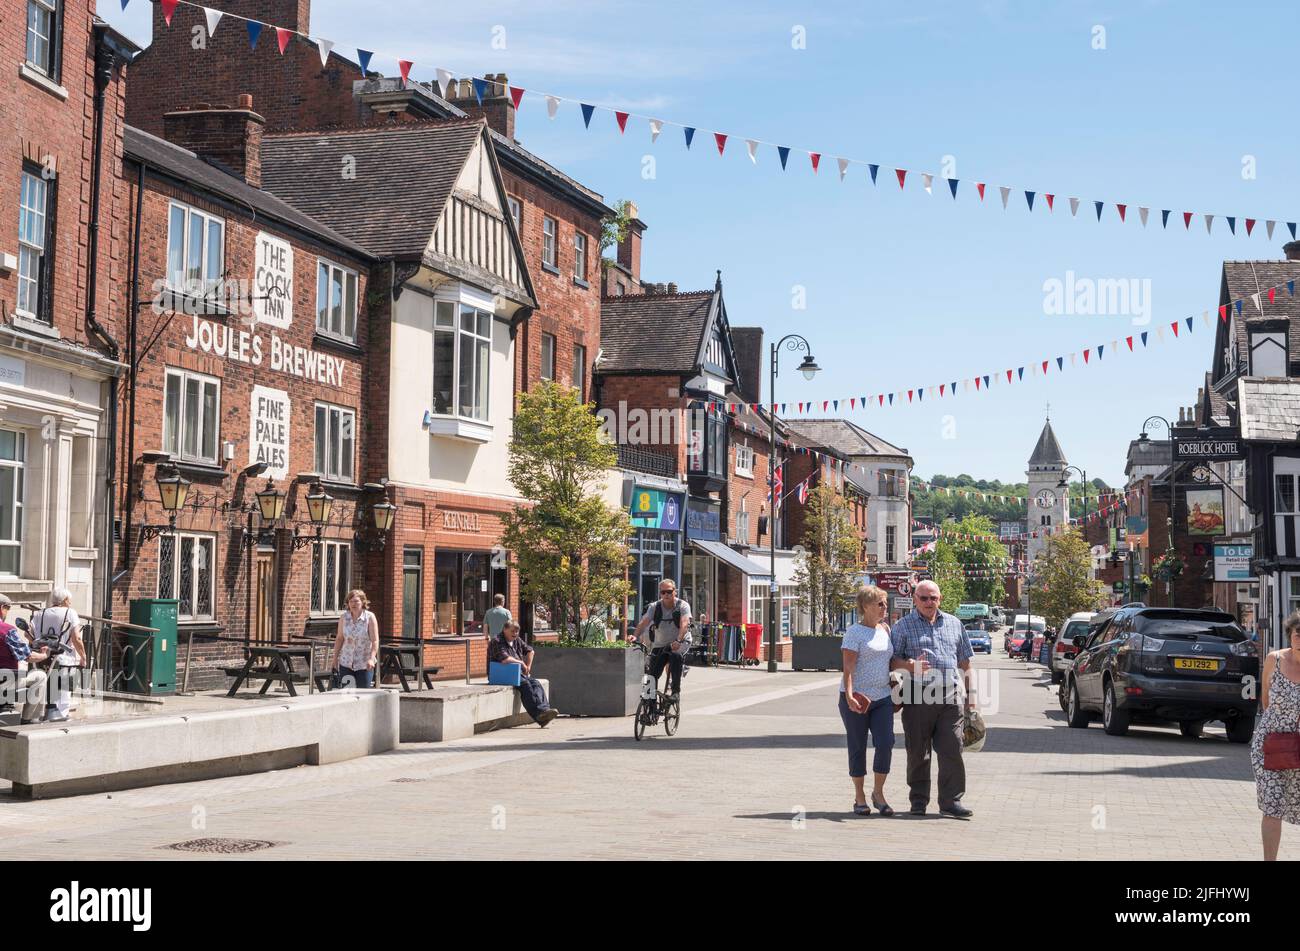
{"type": "Point", "coordinates": [1049, 507]}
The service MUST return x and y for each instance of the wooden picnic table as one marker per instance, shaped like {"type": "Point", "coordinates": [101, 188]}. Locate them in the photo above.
{"type": "Point", "coordinates": [278, 660]}
{"type": "Point", "coordinates": [404, 657]}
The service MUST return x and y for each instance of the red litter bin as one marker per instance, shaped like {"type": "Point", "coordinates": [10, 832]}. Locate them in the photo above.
{"type": "Point", "coordinates": [753, 641]}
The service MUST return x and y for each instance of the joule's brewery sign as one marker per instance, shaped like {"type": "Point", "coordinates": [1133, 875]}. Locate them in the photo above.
{"type": "Point", "coordinates": [273, 282]}
{"type": "Point", "coordinates": [268, 436]}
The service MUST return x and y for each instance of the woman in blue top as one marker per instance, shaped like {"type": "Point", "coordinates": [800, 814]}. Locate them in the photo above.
{"type": "Point", "coordinates": [866, 702]}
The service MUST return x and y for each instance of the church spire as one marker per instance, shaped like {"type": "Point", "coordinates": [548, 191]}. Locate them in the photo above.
{"type": "Point", "coordinates": [1047, 454]}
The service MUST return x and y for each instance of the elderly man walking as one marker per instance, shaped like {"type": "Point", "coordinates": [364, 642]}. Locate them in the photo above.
{"type": "Point", "coordinates": [934, 649]}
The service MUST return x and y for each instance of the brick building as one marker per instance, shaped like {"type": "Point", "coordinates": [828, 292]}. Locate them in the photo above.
{"type": "Point", "coordinates": [558, 220]}
{"type": "Point", "coordinates": [62, 275]}
{"type": "Point", "coordinates": [250, 336]}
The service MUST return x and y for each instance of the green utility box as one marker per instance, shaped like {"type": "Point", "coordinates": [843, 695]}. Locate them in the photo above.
{"type": "Point", "coordinates": [150, 659]}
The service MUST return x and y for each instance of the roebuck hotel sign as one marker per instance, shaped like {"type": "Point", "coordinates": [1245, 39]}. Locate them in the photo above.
{"type": "Point", "coordinates": [1212, 446]}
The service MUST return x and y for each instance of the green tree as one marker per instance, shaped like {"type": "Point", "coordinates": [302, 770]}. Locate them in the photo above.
{"type": "Point", "coordinates": [613, 228]}
{"type": "Point", "coordinates": [947, 572]}
{"type": "Point", "coordinates": [986, 556]}
{"type": "Point", "coordinates": [827, 569]}
{"type": "Point", "coordinates": [569, 546]}
{"type": "Point", "coordinates": [1062, 584]}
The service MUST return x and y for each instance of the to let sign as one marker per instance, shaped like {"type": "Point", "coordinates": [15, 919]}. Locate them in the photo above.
{"type": "Point", "coordinates": [1207, 448]}
{"type": "Point", "coordinates": [268, 437]}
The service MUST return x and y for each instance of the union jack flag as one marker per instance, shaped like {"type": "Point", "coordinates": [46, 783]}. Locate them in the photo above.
{"type": "Point", "coordinates": [778, 484]}
{"type": "Point", "coordinates": [803, 492]}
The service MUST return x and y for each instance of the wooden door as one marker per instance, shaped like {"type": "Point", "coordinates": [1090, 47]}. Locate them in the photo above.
{"type": "Point", "coordinates": [264, 598]}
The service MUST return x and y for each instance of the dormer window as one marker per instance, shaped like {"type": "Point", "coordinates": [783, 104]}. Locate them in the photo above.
{"type": "Point", "coordinates": [1268, 356]}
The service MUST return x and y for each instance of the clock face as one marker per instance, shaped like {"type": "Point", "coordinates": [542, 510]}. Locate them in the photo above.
{"type": "Point", "coordinates": [1045, 499]}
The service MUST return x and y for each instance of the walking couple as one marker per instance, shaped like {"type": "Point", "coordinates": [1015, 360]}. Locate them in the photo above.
{"type": "Point", "coordinates": [932, 650]}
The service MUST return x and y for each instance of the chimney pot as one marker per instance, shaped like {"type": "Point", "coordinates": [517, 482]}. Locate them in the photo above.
{"type": "Point", "coordinates": [1292, 250]}
{"type": "Point", "coordinates": [672, 288]}
{"type": "Point", "coordinates": [245, 100]}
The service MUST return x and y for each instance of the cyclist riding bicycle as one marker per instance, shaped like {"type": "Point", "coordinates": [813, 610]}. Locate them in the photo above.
{"type": "Point", "coordinates": [669, 618]}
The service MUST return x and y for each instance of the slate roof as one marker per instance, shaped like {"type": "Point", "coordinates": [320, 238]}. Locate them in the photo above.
{"type": "Point", "coordinates": [1240, 280]}
{"type": "Point", "coordinates": [405, 173]}
{"type": "Point", "coordinates": [1048, 451]}
{"type": "Point", "coordinates": [1269, 409]}
{"type": "Point", "coordinates": [845, 437]}
{"type": "Point", "coordinates": [653, 333]}
{"type": "Point", "coordinates": [184, 165]}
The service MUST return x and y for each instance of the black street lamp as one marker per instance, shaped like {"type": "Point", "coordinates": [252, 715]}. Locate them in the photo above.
{"type": "Point", "coordinates": [1065, 484]}
{"type": "Point", "coordinates": [1145, 443]}
{"type": "Point", "coordinates": [809, 368]}
{"type": "Point", "coordinates": [319, 506]}
{"type": "Point", "coordinates": [173, 489]}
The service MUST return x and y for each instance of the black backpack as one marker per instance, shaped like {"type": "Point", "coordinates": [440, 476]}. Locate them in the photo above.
{"type": "Point", "coordinates": [658, 617]}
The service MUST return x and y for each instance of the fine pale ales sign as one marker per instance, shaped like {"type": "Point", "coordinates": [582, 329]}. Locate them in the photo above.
{"type": "Point", "coordinates": [268, 437]}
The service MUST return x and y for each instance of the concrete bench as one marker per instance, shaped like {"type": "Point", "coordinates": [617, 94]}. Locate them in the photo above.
{"type": "Point", "coordinates": [455, 711]}
{"type": "Point", "coordinates": [104, 754]}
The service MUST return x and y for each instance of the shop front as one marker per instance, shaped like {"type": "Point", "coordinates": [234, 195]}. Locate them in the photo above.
{"type": "Point", "coordinates": [655, 548]}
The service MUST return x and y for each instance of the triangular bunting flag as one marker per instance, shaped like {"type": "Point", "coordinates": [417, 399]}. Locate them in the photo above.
{"type": "Point", "coordinates": [168, 8]}
{"type": "Point", "coordinates": [1060, 363]}
{"type": "Point", "coordinates": [516, 96]}
{"type": "Point", "coordinates": [1223, 313]}
{"type": "Point", "coordinates": [1074, 207]}
{"type": "Point", "coordinates": [1044, 368]}
{"type": "Point", "coordinates": [1268, 228]}
{"type": "Point", "coordinates": [656, 126]}
{"type": "Point", "coordinates": [1099, 205]}
{"type": "Point", "coordinates": [815, 158]}
{"type": "Point", "coordinates": [1029, 197]}
{"type": "Point", "coordinates": [952, 186]}
{"type": "Point", "coordinates": [254, 31]}
{"type": "Point", "coordinates": [282, 37]}
{"type": "Point", "coordinates": [902, 176]}
{"type": "Point", "coordinates": [1255, 299]}
{"type": "Point", "coordinates": [1142, 213]}
{"type": "Point", "coordinates": [783, 153]}
{"type": "Point", "coordinates": [404, 67]}
{"type": "Point", "coordinates": [587, 111]}
{"type": "Point", "coordinates": [1250, 226]}
{"type": "Point", "coordinates": [690, 135]}
{"type": "Point", "coordinates": [1129, 341]}
{"type": "Point", "coordinates": [721, 139]}
{"type": "Point", "coordinates": [363, 59]}
{"type": "Point", "coordinates": [444, 77]}
{"type": "Point", "coordinates": [1020, 373]}
{"type": "Point", "coordinates": [1190, 328]}
{"type": "Point", "coordinates": [1290, 226]}
{"type": "Point", "coordinates": [1121, 209]}
{"type": "Point", "coordinates": [843, 165]}
{"type": "Point", "coordinates": [323, 47]}
{"type": "Point", "coordinates": [621, 119]}
{"type": "Point", "coordinates": [1209, 222]}
{"type": "Point", "coordinates": [1232, 224]}
{"type": "Point", "coordinates": [213, 17]}
{"type": "Point", "coordinates": [927, 181]}
{"type": "Point", "coordinates": [1187, 219]}
{"type": "Point", "coordinates": [1006, 193]}
{"type": "Point", "coordinates": [979, 186]}
{"type": "Point", "coordinates": [1051, 201]}
{"type": "Point", "coordinates": [1164, 218]}
{"type": "Point", "coordinates": [873, 169]}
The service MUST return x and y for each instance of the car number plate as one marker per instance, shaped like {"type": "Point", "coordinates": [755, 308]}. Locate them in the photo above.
{"type": "Point", "coordinates": [1195, 663]}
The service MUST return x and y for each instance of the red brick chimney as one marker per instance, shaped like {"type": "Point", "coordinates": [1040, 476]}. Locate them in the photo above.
{"type": "Point", "coordinates": [229, 137]}
{"type": "Point", "coordinates": [497, 108]}
{"type": "Point", "coordinates": [629, 249]}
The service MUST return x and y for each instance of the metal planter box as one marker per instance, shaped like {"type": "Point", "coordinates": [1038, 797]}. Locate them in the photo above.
{"type": "Point", "coordinates": [591, 681]}
{"type": "Point", "coordinates": [816, 653]}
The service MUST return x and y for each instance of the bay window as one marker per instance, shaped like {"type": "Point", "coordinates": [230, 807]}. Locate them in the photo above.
{"type": "Point", "coordinates": [191, 406]}
{"type": "Point", "coordinates": [335, 442]}
{"type": "Point", "coordinates": [336, 301]}
{"type": "Point", "coordinates": [462, 345]}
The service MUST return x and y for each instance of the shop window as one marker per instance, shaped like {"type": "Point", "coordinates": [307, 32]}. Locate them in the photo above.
{"type": "Point", "coordinates": [191, 404]}
{"type": "Point", "coordinates": [461, 352]}
{"type": "Point", "coordinates": [464, 583]}
{"type": "Point", "coordinates": [35, 239]}
{"type": "Point", "coordinates": [335, 442]}
{"type": "Point", "coordinates": [13, 458]}
{"type": "Point", "coordinates": [336, 301]}
{"type": "Point", "coordinates": [44, 36]}
{"type": "Point", "coordinates": [331, 577]}
{"type": "Point", "coordinates": [195, 250]}
{"type": "Point", "coordinates": [187, 572]}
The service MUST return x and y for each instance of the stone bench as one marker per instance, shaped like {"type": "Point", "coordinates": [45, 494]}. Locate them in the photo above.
{"type": "Point", "coordinates": [124, 752]}
{"type": "Point", "coordinates": [455, 711]}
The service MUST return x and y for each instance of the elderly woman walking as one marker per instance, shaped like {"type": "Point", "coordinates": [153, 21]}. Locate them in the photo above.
{"type": "Point", "coordinates": [356, 647]}
{"type": "Point", "coordinates": [1277, 780]}
{"type": "Point", "coordinates": [866, 703]}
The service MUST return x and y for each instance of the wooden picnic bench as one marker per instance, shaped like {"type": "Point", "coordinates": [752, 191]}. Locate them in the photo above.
{"type": "Point", "coordinates": [276, 666]}
{"type": "Point", "coordinates": [404, 657]}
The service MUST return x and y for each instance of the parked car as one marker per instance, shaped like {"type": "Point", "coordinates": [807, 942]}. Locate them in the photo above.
{"type": "Point", "coordinates": [1164, 664]}
{"type": "Point", "coordinates": [1063, 650]}
{"type": "Point", "coordinates": [980, 640]}
{"type": "Point", "coordinates": [1025, 625]}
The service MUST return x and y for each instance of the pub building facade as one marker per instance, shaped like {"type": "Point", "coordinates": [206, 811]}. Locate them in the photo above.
{"type": "Point", "coordinates": [446, 302]}
{"type": "Point", "coordinates": [557, 219]}
{"type": "Point", "coordinates": [249, 338]}
{"type": "Point", "coordinates": [61, 300]}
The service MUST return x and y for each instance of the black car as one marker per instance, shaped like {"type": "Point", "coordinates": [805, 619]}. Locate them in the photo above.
{"type": "Point", "coordinates": [1164, 664]}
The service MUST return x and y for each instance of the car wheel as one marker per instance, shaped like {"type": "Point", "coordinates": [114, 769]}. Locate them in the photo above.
{"type": "Point", "coordinates": [1075, 715]}
{"type": "Point", "coordinates": [1191, 729]}
{"type": "Point", "coordinates": [1063, 696]}
{"type": "Point", "coordinates": [1057, 676]}
{"type": "Point", "coordinates": [1113, 719]}
{"type": "Point", "coordinates": [1240, 729]}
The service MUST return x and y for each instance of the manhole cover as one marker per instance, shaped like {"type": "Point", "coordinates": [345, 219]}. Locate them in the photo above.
{"type": "Point", "coordinates": [224, 846]}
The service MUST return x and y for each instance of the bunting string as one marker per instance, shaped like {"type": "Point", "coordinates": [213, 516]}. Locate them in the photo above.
{"type": "Point", "coordinates": [553, 101]}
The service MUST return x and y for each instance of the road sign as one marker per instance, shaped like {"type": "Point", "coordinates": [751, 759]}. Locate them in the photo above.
{"type": "Point", "coordinates": [903, 604]}
{"type": "Point", "coordinates": [905, 589]}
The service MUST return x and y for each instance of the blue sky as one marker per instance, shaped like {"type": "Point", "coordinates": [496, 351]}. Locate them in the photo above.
{"type": "Point", "coordinates": [908, 289]}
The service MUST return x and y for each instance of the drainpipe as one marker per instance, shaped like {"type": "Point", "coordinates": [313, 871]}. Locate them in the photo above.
{"type": "Point", "coordinates": [132, 316]}
{"type": "Point", "coordinates": [105, 61]}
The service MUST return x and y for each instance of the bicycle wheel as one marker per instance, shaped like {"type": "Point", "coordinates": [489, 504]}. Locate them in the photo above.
{"type": "Point", "coordinates": [672, 716]}
{"type": "Point", "coordinates": [638, 722]}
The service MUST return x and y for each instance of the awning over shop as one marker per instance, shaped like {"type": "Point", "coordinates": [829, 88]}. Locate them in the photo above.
{"type": "Point", "coordinates": [730, 556]}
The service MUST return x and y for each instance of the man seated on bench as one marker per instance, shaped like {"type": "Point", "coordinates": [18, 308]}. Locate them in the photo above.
{"type": "Point", "coordinates": [15, 649]}
{"type": "Point", "coordinates": [509, 648]}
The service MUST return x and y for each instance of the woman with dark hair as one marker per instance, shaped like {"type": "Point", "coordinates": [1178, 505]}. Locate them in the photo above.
{"type": "Point", "coordinates": [356, 646]}
{"type": "Point", "coordinates": [1277, 786]}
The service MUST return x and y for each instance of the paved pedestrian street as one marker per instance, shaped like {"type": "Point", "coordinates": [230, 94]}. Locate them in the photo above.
{"type": "Point", "coordinates": [757, 771]}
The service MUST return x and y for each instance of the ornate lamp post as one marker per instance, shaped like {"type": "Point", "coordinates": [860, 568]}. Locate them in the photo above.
{"type": "Point", "coordinates": [1065, 484]}
{"type": "Point", "coordinates": [1145, 443]}
{"type": "Point", "coordinates": [319, 506]}
{"type": "Point", "coordinates": [808, 368]}
{"type": "Point", "coordinates": [173, 490]}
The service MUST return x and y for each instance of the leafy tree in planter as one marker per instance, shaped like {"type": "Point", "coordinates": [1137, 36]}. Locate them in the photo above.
{"type": "Point", "coordinates": [828, 567]}
{"type": "Point", "coordinates": [1063, 584]}
{"type": "Point", "coordinates": [569, 546]}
